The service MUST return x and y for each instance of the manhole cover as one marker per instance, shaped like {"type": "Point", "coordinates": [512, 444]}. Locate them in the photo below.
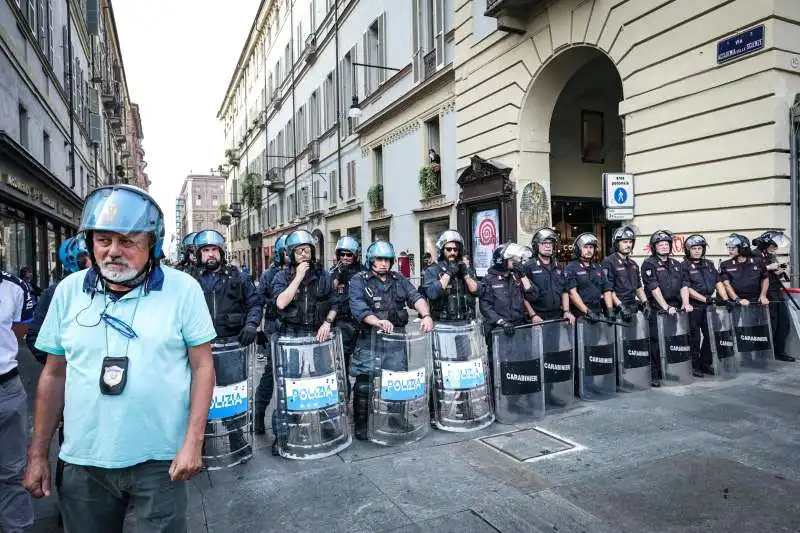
{"type": "Point", "coordinates": [526, 444]}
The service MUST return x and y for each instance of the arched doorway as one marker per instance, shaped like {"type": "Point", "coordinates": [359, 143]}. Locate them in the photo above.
{"type": "Point", "coordinates": [570, 134]}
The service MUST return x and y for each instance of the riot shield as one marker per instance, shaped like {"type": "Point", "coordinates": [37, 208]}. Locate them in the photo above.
{"type": "Point", "coordinates": [597, 373]}
{"type": "Point", "coordinates": [311, 407]}
{"type": "Point", "coordinates": [753, 336]}
{"type": "Point", "coordinates": [558, 360]}
{"type": "Point", "coordinates": [676, 350]}
{"type": "Point", "coordinates": [518, 375]}
{"type": "Point", "coordinates": [720, 333]}
{"type": "Point", "coordinates": [633, 353]}
{"type": "Point", "coordinates": [461, 383]}
{"type": "Point", "coordinates": [227, 436]}
{"type": "Point", "coordinates": [398, 402]}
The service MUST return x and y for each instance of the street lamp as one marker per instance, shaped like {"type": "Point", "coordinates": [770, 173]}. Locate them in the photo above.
{"type": "Point", "coordinates": [355, 108]}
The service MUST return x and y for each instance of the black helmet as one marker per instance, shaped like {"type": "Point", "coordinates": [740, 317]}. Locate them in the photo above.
{"type": "Point", "coordinates": [771, 238]}
{"type": "Point", "coordinates": [661, 235]}
{"type": "Point", "coordinates": [582, 240]}
{"type": "Point", "coordinates": [625, 233]}
{"type": "Point", "coordinates": [544, 234]}
{"type": "Point", "coordinates": [740, 242]}
{"type": "Point", "coordinates": [694, 240]}
{"type": "Point", "coordinates": [509, 251]}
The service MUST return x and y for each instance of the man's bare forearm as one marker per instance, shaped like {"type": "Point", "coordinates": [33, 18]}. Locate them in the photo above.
{"type": "Point", "coordinates": [49, 405]}
{"type": "Point", "coordinates": [203, 379]}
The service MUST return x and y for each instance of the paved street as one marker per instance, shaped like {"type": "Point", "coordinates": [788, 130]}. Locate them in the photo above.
{"type": "Point", "coordinates": [714, 456]}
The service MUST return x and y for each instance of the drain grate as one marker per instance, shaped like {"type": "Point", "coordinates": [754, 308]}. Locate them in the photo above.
{"type": "Point", "coordinates": [528, 444]}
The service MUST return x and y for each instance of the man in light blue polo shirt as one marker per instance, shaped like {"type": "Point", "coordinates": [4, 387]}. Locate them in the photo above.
{"type": "Point", "coordinates": [132, 370]}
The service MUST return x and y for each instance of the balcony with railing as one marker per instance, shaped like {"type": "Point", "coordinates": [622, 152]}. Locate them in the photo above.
{"type": "Point", "coordinates": [275, 181]}
{"type": "Point", "coordinates": [512, 14]}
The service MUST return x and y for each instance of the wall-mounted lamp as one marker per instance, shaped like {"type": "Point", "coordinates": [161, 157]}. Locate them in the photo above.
{"type": "Point", "coordinates": [355, 108]}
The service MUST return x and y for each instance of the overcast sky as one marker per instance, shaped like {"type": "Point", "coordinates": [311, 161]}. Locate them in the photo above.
{"type": "Point", "coordinates": [179, 56]}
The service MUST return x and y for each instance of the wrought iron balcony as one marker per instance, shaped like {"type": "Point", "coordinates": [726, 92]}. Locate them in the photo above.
{"type": "Point", "coordinates": [313, 152]}
{"type": "Point", "coordinates": [276, 182]}
{"type": "Point", "coordinates": [430, 63]}
{"type": "Point", "coordinates": [520, 8]}
{"type": "Point", "coordinates": [311, 47]}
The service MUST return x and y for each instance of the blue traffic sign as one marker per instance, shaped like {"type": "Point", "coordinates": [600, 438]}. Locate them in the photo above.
{"type": "Point", "coordinates": [620, 195]}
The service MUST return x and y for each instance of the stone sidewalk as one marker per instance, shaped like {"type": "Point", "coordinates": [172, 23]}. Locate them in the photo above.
{"type": "Point", "coordinates": [713, 456]}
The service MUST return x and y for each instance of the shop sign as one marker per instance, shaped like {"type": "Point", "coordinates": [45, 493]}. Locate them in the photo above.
{"type": "Point", "coordinates": [16, 183]}
{"type": "Point", "coordinates": [49, 202]}
{"type": "Point", "coordinates": [740, 44]}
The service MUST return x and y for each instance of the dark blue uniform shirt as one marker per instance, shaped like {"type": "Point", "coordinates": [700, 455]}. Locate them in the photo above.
{"type": "Point", "coordinates": [745, 277]}
{"type": "Point", "coordinates": [590, 281]}
{"type": "Point", "coordinates": [623, 275]}
{"type": "Point", "coordinates": [664, 275]}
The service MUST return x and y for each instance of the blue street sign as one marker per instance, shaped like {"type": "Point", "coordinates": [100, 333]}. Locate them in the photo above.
{"type": "Point", "coordinates": [620, 195]}
{"type": "Point", "coordinates": [740, 44]}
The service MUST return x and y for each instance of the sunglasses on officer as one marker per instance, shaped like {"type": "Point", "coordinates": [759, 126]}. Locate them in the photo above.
{"type": "Point", "coordinates": [346, 254]}
{"type": "Point", "coordinates": [302, 250]}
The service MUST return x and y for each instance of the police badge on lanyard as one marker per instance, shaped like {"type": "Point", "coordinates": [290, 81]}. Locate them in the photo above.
{"type": "Point", "coordinates": [114, 375]}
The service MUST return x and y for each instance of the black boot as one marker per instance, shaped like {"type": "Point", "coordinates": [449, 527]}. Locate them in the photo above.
{"type": "Point", "coordinates": [361, 406]}
{"type": "Point", "coordinates": [259, 428]}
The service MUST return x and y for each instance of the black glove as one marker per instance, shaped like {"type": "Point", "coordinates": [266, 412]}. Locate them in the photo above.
{"type": "Point", "coordinates": [730, 303]}
{"type": "Point", "coordinates": [508, 329]}
{"type": "Point", "coordinates": [641, 306]}
{"type": "Point", "coordinates": [462, 270]}
{"type": "Point", "coordinates": [451, 270]}
{"type": "Point", "coordinates": [710, 300]}
{"type": "Point", "coordinates": [624, 313]}
{"type": "Point", "coordinates": [592, 316]}
{"type": "Point", "coordinates": [247, 335]}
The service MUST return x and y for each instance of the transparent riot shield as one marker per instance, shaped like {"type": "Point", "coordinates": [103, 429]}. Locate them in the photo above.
{"type": "Point", "coordinates": [461, 383]}
{"type": "Point", "coordinates": [311, 386]}
{"type": "Point", "coordinates": [597, 372]}
{"type": "Point", "coordinates": [518, 375]}
{"type": "Point", "coordinates": [558, 360]}
{"type": "Point", "coordinates": [227, 436]}
{"type": "Point", "coordinates": [676, 350]}
{"type": "Point", "coordinates": [723, 349]}
{"type": "Point", "coordinates": [753, 336]}
{"type": "Point", "coordinates": [402, 364]}
{"type": "Point", "coordinates": [633, 353]}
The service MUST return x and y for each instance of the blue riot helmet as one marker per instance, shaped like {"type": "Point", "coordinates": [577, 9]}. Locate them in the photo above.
{"type": "Point", "coordinates": [123, 209]}
{"type": "Point", "coordinates": [380, 250]}
{"type": "Point", "coordinates": [694, 240]}
{"type": "Point", "coordinates": [298, 238]}
{"type": "Point", "coordinates": [279, 255]}
{"type": "Point", "coordinates": [348, 244]}
{"type": "Point", "coordinates": [187, 244]}
{"type": "Point", "coordinates": [209, 237]}
{"type": "Point", "coordinates": [450, 235]}
{"type": "Point", "coordinates": [70, 252]}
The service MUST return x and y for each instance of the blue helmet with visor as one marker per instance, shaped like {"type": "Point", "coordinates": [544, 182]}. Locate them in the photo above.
{"type": "Point", "coordinates": [278, 257]}
{"type": "Point", "coordinates": [123, 209]}
{"type": "Point", "coordinates": [348, 244]}
{"type": "Point", "coordinates": [298, 238]}
{"type": "Point", "coordinates": [380, 250]}
{"type": "Point", "coordinates": [70, 251]}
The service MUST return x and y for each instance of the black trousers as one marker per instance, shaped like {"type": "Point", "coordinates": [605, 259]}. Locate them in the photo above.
{"type": "Point", "coordinates": [701, 349]}
{"type": "Point", "coordinates": [780, 322]}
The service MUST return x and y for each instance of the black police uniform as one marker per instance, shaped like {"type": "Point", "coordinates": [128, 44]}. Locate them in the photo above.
{"type": "Point", "coordinates": [590, 281]}
{"type": "Point", "coordinates": [667, 276]}
{"type": "Point", "coordinates": [234, 303]}
{"type": "Point", "coordinates": [702, 276]}
{"type": "Point", "coordinates": [548, 284]}
{"type": "Point", "coordinates": [778, 312]}
{"type": "Point", "coordinates": [266, 383]}
{"type": "Point", "coordinates": [345, 320]}
{"type": "Point", "coordinates": [314, 299]}
{"type": "Point", "coordinates": [454, 303]}
{"type": "Point", "coordinates": [745, 276]}
{"type": "Point", "coordinates": [39, 314]}
{"type": "Point", "coordinates": [623, 276]}
{"type": "Point", "coordinates": [387, 300]}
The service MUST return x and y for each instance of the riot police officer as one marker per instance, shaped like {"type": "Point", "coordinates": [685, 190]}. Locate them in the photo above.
{"type": "Point", "coordinates": [378, 299]}
{"type": "Point", "coordinates": [665, 290]}
{"type": "Point", "coordinates": [449, 285]}
{"type": "Point", "coordinates": [627, 293]}
{"type": "Point", "coordinates": [304, 296]}
{"type": "Point", "coordinates": [188, 259]}
{"type": "Point", "coordinates": [504, 295]}
{"type": "Point", "coordinates": [270, 326]}
{"type": "Point", "coordinates": [702, 279]}
{"type": "Point", "coordinates": [587, 285]}
{"type": "Point", "coordinates": [348, 264]}
{"type": "Point", "coordinates": [235, 308]}
{"type": "Point", "coordinates": [768, 244]}
{"type": "Point", "coordinates": [552, 300]}
{"type": "Point", "coordinates": [744, 276]}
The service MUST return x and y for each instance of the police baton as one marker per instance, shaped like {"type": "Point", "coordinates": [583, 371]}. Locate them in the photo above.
{"type": "Point", "coordinates": [613, 322]}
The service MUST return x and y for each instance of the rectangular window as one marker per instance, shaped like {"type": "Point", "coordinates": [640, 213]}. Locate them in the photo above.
{"type": "Point", "coordinates": [592, 137]}
{"type": "Point", "coordinates": [290, 142]}
{"type": "Point", "coordinates": [23, 126]}
{"type": "Point", "coordinates": [41, 29]}
{"type": "Point", "coordinates": [287, 60]}
{"type": "Point", "coordinates": [46, 148]}
{"type": "Point", "coordinates": [380, 234]}
{"type": "Point", "coordinates": [315, 196]}
{"type": "Point", "coordinates": [377, 161]}
{"type": "Point", "coordinates": [429, 231]}
{"type": "Point", "coordinates": [300, 121]}
{"type": "Point", "coordinates": [198, 201]}
{"type": "Point", "coordinates": [300, 40]}
{"type": "Point", "coordinates": [330, 102]}
{"type": "Point", "coordinates": [333, 193]}
{"type": "Point", "coordinates": [375, 54]}
{"type": "Point", "coordinates": [214, 200]}
{"type": "Point", "coordinates": [313, 116]}
{"type": "Point", "coordinates": [349, 88]}
{"type": "Point", "coordinates": [50, 44]}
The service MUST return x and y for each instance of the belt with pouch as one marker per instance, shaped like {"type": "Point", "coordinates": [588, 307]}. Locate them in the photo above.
{"type": "Point", "coordinates": [8, 376]}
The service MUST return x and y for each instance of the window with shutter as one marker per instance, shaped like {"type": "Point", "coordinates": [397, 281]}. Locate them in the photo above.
{"type": "Point", "coordinates": [351, 179]}
{"type": "Point", "coordinates": [50, 44]}
{"type": "Point", "coordinates": [333, 193]}
{"type": "Point", "coordinates": [41, 32]}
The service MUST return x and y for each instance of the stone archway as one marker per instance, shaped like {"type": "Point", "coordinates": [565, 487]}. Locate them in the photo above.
{"type": "Point", "coordinates": [534, 177]}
